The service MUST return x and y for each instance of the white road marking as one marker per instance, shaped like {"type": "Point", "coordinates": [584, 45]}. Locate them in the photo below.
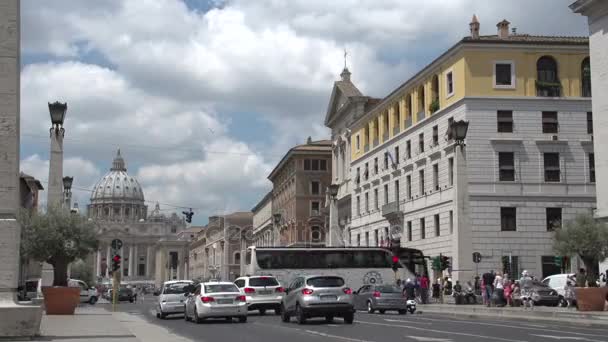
{"type": "Point", "coordinates": [570, 338]}
{"type": "Point", "coordinates": [404, 321]}
{"type": "Point", "coordinates": [528, 327]}
{"type": "Point", "coordinates": [429, 339]}
{"type": "Point", "coordinates": [337, 337]}
{"type": "Point", "coordinates": [488, 338]}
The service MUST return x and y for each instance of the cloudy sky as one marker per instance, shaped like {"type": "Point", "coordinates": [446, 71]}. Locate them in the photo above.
{"type": "Point", "coordinates": [204, 96]}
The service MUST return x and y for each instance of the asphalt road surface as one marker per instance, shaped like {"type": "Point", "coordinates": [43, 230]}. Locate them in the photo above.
{"type": "Point", "coordinates": [368, 328]}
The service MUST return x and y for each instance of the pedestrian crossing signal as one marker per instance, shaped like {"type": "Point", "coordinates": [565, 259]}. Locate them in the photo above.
{"type": "Point", "coordinates": [395, 263]}
{"type": "Point", "coordinates": [116, 262]}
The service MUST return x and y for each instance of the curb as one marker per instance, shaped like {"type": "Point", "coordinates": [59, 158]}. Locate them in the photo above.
{"type": "Point", "coordinates": [534, 316]}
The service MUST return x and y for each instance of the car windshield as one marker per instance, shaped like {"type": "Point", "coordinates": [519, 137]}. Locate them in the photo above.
{"type": "Point", "coordinates": [325, 282]}
{"type": "Point", "coordinates": [176, 288]}
{"type": "Point", "coordinates": [388, 289]}
{"type": "Point", "coordinates": [31, 286]}
{"type": "Point", "coordinates": [124, 290]}
{"type": "Point", "coordinates": [263, 281]}
{"type": "Point", "coordinates": [215, 288]}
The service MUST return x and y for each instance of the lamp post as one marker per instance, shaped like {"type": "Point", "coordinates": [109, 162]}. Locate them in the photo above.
{"type": "Point", "coordinates": [67, 191]}
{"type": "Point", "coordinates": [462, 262]}
{"type": "Point", "coordinates": [276, 220]}
{"type": "Point", "coordinates": [335, 231]}
{"type": "Point", "coordinates": [57, 112]}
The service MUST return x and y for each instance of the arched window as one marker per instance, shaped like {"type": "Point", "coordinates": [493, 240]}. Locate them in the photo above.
{"type": "Point", "coordinates": [547, 82]}
{"type": "Point", "coordinates": [586, 78]}
{"type": "Point", "coordinates": [315, 234]}
{"type": "Point", "coordinates": [237, 258]}
{"type": "Point", "coordinates": [421, 103]}
{"type": "Point", "coordinates": [434, 106]}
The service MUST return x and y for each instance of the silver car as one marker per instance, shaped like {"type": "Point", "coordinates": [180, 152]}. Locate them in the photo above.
{"type": "Point", "coordinates": [262, 293]}
{"type": "Point", "coordinates": [171, 298]}
{"type": "Point", "coordinates": [380, 298]}
{"type": "Point", "coordinates": [215, 300]}
{"type": "Point", "coordinates": [318, 296]}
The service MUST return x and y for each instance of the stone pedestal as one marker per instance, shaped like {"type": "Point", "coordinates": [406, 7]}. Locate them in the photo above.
{"type": "Point", "coordinates": [15, 320]}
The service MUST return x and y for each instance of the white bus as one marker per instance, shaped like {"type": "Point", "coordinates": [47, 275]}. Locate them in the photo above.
{"type": "Point", "coordinates": [358, 266]}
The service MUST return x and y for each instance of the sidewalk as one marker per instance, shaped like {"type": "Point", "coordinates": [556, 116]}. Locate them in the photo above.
{"type": "Point", "coordinates": [538, 313]}
{"type": "Point", "coordinates": [96, 324]}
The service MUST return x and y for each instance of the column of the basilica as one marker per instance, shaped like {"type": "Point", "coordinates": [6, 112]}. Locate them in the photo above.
{"type": "Point", "coordinates": [136, 262]}
{"type": "Point", "coordinates": [98, 263]}
{"type": "Point", "coordinates": [130, 261]}
{"type": "Point", "coordinates": [108, 262]}
{"type": "Point", "coordinates": [149, 272]}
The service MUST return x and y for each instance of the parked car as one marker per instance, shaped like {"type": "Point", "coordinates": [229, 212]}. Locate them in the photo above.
{"type": "Point", "coordinates": [540, 293]}
{"type": "Point", "coordinates": [380, 298]}
{"type": "Point", "coordinates": [87, 294]}
{"type": "Point", "coordinates": [262, 293]}
{"type": "Point", "coordinates": [215, 300]}
{"type": "Point", "coordinates": [558, 283]}
{"type": "Point", "coordinates": [318, 296]}
{"type": "Point", "coordinates": [171, 297]}
{"type": "Point", "coordinates": [124, 295]}
{"type": "Point", "coordinates": [33, 289]}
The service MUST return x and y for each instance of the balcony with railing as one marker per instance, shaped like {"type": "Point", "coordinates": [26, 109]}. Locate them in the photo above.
{"type": "Point", "coordinates": [548, 89]}
{"type": "Point", "coordinates": [391, 210]}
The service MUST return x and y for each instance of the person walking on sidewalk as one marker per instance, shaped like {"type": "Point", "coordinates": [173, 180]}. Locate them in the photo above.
{"type": "Point", "coordinates": [424, 288]}
{"type": "Point", "coordinates": [437, 290]}
{"type": "Point", "coordinates": [488, 280]}
{"type": "Point", "coordinates": [498, 290]}
{"type": "Point", "coordinates": [508, 289]}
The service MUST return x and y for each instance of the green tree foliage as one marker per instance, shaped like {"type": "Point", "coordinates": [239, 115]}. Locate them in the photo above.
{"type": "Point", "coordinates": [587, 238]}
{"type": "Point", "coordinates": [57, 237]}
{"type": "Point", "coordinates": [82, 271]}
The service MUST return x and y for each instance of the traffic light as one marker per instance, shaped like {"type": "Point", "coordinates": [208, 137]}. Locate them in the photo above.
{"type": "Point", "coordinates": [445, 262]}
{"type": "Point", "coordinates": [189, 215]}
{"type": "Point", "coordinates": [115, 262]}
{"type": "Point", "coordinates": [395, 263]}
{"type": "Point", "coordinates": [436, 264]}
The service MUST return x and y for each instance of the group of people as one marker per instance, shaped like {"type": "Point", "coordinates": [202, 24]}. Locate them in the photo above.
{"type": "Point", "coordinates": [416, 288]}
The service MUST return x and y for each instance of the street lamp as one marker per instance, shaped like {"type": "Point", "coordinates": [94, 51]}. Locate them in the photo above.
{"type": "Point", "coordinates": [459, 131]}
{"type": "Point", "coordinates": [333, 190]}
{"type": "Point", "coordinates": [57, 111]}
{"type": "Point", "coordinates": [277, 217]}
{"type": "Point", "coordinates": [67, 191]}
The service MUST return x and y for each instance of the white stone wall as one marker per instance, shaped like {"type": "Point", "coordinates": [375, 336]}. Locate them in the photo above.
{"type": "Point", "coordinates": [529, 193]}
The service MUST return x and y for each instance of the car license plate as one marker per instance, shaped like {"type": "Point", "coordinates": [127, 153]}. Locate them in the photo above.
{"type": "Point", "coordinates": [224, 301]}
{"type": "Point", "coordinates": [329, 298]}
{"type": "Point", "coordinates": [265, 292]}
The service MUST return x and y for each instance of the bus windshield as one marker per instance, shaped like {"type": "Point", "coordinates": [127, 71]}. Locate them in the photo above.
{"type": "Point", "coordinates": [318, 259]}
{"type": "Point", "coordinates": [413, 260]}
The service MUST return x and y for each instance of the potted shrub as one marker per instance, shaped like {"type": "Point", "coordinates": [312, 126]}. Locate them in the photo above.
{"type": "Point", "coordinates": [58, 237]}
{"type": "Point", "coordinates": [587, 238]}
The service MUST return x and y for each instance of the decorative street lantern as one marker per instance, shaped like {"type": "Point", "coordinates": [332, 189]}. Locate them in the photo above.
{"type": "Point", "coordinates": [459, 131]}
{"type": "Point", "coordinates": [67, 183]}
{"type": "Point", "coordinates": [333, 190]}
{"type": "Point", "coordinates": [57, 111]}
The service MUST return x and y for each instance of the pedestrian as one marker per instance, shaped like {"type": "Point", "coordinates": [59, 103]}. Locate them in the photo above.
{"type": "Point", "coordinates": [409, 290]}
{"type": "Point", "coordinates": [437, 290]}
{"type": "Point", "coordinates": [424, 288]}
{"type": "Point", "coordinates": [477, 285]}
{"type": "Point", "coordinates": [484, 294]}
{"type": "Point", "coordinates": [569, 294]}
{"type": "Point", "coordinates": [498, 290]}
{"type": "Point", "coordinates": [508, 289]}
{"type": "Point", "coordinates": [581, 278]}
{"type": "Point", "coordinates": [516, 294]}
{"type": "Point", "coordinates": [488, 280]}
{"type": "Point", "coordinates": [417, 284]}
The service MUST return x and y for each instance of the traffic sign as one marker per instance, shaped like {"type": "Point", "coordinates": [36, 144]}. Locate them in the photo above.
{"type": "Point", "coordinates": [116, 244]}
{"type": "Point", "coordinates": [477, 257]}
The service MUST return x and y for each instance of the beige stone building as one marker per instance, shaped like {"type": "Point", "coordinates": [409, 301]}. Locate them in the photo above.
{"type": "Point", "coordinates": [215, 253]}
{"type": "Point", "coordinates": [298, 193]}
{"type": "Point", "coordinates": [264, 234]}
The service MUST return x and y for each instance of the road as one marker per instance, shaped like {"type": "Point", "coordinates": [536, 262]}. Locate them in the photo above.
{"type": "Point", "coordinates": [368, 328]}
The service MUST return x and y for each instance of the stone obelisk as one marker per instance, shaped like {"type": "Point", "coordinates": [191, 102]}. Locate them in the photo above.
{"type": "Point", "coordinates": [15, 320]}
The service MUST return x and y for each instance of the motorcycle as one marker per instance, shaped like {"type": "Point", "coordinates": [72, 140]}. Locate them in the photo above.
{"type": "Point", "coordinates": [458, 296]}
{"type": "Point", "coordinates": [469, 296]}
{"type": "Point", "coordinates": [410, 305]}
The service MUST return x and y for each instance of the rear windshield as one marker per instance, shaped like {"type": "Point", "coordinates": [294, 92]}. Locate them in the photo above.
{"type": "Point", "coordinates": [177, 288]}
{"type": "Point", "coordinates": [263, 281]}
{"type": "Point", "coordinates": [31, 286]}
{"type": "Point", "coordinates": [388, 289]}
{"type": "Point", "coordinates": [124, 290]}
{"type": "Point", "coordinates": [325, 282]}
{"type": "Point", "coordinates": [221, 288]}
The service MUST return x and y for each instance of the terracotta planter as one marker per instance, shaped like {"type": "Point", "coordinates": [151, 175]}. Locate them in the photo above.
{"type": "Point", "coordinates": [61, 300]}
{"type": "Point", "coordinates": [591, 298]}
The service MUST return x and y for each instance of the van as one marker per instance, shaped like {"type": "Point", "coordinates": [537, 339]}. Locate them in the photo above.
{"type": "Point", "coordinates": [558, 283]}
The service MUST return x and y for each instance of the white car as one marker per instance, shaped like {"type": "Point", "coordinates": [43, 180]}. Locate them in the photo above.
{"type": "Point", "coordinates": [262, 293]}
{"type": "Point", "coordinates": [172, 297]}
{"type": "Point", "coordinates": [215, 300]}
{"type": "Point", "coordinates": [558, 282]}
{"type": "Point", "coordinates": [87, 294]}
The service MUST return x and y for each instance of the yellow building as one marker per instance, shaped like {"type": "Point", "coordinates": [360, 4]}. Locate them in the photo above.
{"type": "Point", "coordinates": [503, 65]}
{"type": "Point", "coordinates": [528, 164]}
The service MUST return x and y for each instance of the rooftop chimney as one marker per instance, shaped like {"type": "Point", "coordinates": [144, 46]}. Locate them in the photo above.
{"type": "Point", "coordinates": [474, 26]}
{"type": "Point", "coordinates": [503, 29]}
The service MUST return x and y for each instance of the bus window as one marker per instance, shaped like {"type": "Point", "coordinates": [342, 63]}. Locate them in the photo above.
{"type": "Point", "coordinates": [316, 259]}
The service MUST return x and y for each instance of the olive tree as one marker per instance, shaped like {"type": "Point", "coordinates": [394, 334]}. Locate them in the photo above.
{"type": "Point", "coordinates": [57, 237]}
{"type": "Point", "coordinates": [586, 237]}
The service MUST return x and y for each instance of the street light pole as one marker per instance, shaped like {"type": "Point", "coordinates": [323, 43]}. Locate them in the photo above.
{"type": "Point", "coordinates": [335, 231]}
{"type": "Point", "coordinates": [57, 112]}
{"type": "Point", "coordinates": [67, 192]}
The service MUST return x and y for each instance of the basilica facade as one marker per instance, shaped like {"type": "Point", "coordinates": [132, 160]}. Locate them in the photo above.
{"type": "Point", "coordinates": [153, 250]}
